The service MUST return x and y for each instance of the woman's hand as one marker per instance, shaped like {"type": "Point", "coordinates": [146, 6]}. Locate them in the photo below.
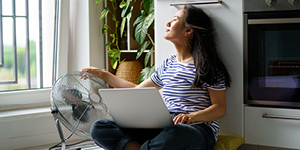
{"type": "Point", "coordinates": [184, 119]}
{"type": "Point", "coordinates": [110, 78]}
{"type": "Point", "coordinates": [93, 70]}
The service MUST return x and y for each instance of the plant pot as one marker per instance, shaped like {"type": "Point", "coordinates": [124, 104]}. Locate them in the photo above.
{"type": "Point", "coordinates": [130, 71]}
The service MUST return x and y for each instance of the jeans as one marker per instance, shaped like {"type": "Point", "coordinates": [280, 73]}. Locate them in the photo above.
{"type": "Point", "coordinates": [108, 135]}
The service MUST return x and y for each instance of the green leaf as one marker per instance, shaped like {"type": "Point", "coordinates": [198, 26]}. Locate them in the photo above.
{"type": "Point", "coordinates": [123, 60]}
{"type": "Point", "coordinates": [114, 63]}
{"type": "Point", "coordinates": [104, 13]}
{"type": "Point", "coordinates": [140, 18]}
{"type": "Point", "coordinates": [125, 10]}
{"type": "Point", "coordinates": [97, 1]}
{"type": "Point", "coordinates": [142, 28]}
{"type": "Point", "coordinates": [104, 29]}
{"type": "Point", "coordinates": [122, 26]}
{"type": "Point", "coordinates": [128, 16]}
{"type": "Point", "coordinates": [113, 1]}
{"type": "Point", "coordinates": [108, 45]}
{"type": "Point", "coordinates": [146, 73]}
{"type": "Point", "coordinates": [114, 53]}
{"type": "Point", "coordinates": [122, 4]}
{"type": "Point", "coordinates": [152, 25]}
{"type": "Point", "coordinates": [142, 49]}
{"type": "Point", "coordinates": [116, 21]}
{"type": "Point", "coordinates": [114, 38]}
{"type": "Point", "coordinates": [124, 22]}
{"type": "Point", "coordinates": [148, 56]}
{"type": "Point", "coordinates": [148, 5]}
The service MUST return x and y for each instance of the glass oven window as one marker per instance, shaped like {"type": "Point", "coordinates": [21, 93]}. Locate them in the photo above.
{"type": "Point", "coordinates": [274, 62]}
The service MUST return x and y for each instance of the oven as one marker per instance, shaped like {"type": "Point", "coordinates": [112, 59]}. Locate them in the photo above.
{"type": "Point", "coordinates": [272, 53]}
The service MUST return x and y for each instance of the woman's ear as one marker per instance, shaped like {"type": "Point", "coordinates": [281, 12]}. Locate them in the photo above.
{"type": "Point", "coordinates": [189, 31]}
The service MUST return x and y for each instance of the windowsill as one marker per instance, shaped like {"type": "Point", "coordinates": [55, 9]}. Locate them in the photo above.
{"type": "Point", "coordinates": [24, 114]}
{"type": "Point", "coordinates": [24, 99]}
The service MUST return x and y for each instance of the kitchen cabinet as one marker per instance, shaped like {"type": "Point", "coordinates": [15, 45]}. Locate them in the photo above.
{"type": "Point", "coordinates": [261, 128]}
{"type": "Point", "coordinates": [228, 21]}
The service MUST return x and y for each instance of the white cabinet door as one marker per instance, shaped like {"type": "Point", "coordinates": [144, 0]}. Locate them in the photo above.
{"type": "Point", "coordinates": [276, 132]}
{"type": "Point", "coordinates": [228, 21]}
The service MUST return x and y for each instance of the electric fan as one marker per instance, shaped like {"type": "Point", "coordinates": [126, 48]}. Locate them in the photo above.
{"type": "Point", "coordinates": [76, 103]}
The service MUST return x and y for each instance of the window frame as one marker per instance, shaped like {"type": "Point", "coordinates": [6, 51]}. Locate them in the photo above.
{"type": "Point", "coordinates": [33, 98]}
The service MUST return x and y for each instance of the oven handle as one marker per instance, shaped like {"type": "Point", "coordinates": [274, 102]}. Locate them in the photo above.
{"type": "Point", "coordinates": [196, 3]}
{"type": "Point", "coordinates": [274, 21]}
{"type": "Point", "coordinates": [280, 117]}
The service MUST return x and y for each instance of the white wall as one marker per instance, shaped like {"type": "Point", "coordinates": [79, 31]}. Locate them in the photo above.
{"type": "Point", "coordinates": [97, 49]}
{"type": "Point", "coordinates": [79, 39]}
{"type": "Point", "coordinates": [20, 129]}
{"type": "Point", "coordinates": [86, 41]}
{"type": "Point", "coordinates": [33, 127]}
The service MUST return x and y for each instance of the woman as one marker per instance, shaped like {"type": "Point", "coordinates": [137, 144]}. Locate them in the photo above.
{"type": "Point", "coordinates": [194, 82]}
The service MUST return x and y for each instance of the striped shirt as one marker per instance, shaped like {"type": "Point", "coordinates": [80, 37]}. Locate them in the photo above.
{"type": "Point", "coordinates": [176, 79]}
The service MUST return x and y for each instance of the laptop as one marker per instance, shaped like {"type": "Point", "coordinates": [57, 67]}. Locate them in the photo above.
{"type": "Point", "coordinates": [137, 107]}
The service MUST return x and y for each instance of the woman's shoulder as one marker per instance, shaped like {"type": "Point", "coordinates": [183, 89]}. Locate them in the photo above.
{"type": "Point", "coordinates": [168, 61]}
{"type": "Point", "coordinates": [171, 59]}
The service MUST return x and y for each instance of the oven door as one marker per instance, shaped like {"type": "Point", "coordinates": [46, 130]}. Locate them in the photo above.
{"type": "Point", "coordinates": [272, 59]}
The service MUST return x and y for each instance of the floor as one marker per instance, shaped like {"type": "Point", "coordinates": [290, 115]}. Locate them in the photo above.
{"type": "Point", "coordinates": [77, 145]}
{"type": "Point", "coordinates": [91, 146]}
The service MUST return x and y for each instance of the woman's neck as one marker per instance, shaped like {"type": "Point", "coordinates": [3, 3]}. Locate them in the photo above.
{"type": "Point", "coordinates": [184, 53]}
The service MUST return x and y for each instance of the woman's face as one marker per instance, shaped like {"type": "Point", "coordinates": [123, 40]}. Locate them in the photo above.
{"type": "Point", "coordinates": [175, 30]}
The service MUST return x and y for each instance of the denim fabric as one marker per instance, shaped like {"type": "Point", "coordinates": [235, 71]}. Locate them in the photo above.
{"type": "Point", "coordinates": [108, 135]}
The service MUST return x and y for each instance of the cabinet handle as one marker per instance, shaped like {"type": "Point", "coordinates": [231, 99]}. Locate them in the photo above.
{"type": "Point", "coordinates": [280, 117]}
{"type": "Point", "coordinates": [196, 3]}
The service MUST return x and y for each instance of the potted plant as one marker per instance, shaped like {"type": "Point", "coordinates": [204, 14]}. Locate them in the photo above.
{"type": "Point", "coordinates": [141, 26]}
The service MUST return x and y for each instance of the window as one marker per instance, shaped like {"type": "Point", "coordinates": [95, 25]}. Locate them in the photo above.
{"type": "Point", "coordinates": [27, 31]}
{"type": "Point", "coordinates": [26, 44]}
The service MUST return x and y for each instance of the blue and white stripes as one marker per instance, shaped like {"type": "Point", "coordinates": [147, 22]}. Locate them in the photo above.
{"type": "Point", "coordinates": [176, 79]}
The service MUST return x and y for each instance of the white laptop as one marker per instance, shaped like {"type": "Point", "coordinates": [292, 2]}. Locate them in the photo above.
{"type": "Point", "coordinates": [136, 107]}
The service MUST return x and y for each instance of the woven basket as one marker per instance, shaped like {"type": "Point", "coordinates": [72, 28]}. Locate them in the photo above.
{"type": "Point", "coordinates": [130, 71]}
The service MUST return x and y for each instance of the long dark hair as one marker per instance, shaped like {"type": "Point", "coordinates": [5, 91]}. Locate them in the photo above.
{"type": "Point", "coordinates": [204, 49]}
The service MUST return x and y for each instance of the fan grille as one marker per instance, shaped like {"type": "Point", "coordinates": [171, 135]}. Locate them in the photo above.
{"type": "Point", "coordinates": [70, 97]}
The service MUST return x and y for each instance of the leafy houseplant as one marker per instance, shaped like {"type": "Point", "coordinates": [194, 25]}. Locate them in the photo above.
{"type": "Point", "coordinates": [141, 25]}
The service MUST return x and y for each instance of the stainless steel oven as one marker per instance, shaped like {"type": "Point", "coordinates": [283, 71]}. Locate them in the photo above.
{"type": "Point", "coordinates": [272, 53]}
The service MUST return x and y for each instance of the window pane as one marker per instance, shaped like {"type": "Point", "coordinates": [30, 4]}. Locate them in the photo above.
{"type": "Point", "coordinates": [48, 36]}
{"type": "Point", "coordinates": [21, 52]}
{"type": "Point", "coordinates": [7, 71]}
{"type": "Point", "coordinates": [1, 54]}
{"type": "Point", "coordinates": [7, 7]}
{"type": "Point", "coordinates": [34, 43]}
{"type": "Point", "coordinates": [20, 8]}
{"type": "Point", "coordinates": [7, 31]}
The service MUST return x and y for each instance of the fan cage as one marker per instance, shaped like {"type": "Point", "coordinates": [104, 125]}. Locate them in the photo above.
{"type": "Point", "coordinates": [70, 98]}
